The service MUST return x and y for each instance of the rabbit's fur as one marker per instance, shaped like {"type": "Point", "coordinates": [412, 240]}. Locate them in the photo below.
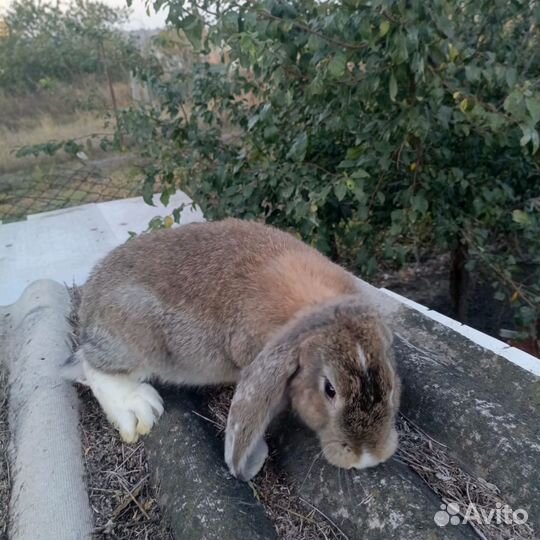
{"type": "Point", "coordinates": [240, 302]}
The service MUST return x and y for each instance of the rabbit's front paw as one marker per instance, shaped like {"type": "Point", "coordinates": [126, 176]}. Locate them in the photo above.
{"type": "Point", "coordinates": [146, 404]}
{"type": "Point", "coordinates": [133, 407]}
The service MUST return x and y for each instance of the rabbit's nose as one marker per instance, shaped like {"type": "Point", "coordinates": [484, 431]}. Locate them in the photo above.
{"type": "Point", "coordinates": [367, 459]}
{"type": "Point", "coordinates": [380, 454]}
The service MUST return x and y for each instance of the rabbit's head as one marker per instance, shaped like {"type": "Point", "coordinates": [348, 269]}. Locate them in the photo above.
{"type": "Point", "coordinates": [334, 363]}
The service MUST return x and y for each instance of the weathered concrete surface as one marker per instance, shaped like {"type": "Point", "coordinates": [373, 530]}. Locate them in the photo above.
{"type": "Point", "coordinates": [202, 500]}
{"type": "Point", "coordinates": [65, 244]}
{"type": "Point", "coordinates": [48, 498]}
{"type": "Point", "coordinates": [489, 423]}
{"type": "Point", "coordinates": [386, 502]}
{"type": "Point", "coordinates": [483, 407]}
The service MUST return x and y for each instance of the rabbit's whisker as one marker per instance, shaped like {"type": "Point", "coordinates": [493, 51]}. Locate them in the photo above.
{"type": "Point", "coordinates": [317, 456]}
{"type": "Point", "coordinates": [348, 482]}
{"type": "Point", "coordinates": [339, 482]}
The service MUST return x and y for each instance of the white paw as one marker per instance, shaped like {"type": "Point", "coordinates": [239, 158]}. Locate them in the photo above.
{"type": "Point", "coordinates": [139, 410]}
{"type": "Point", "coordinates": [133, 407]}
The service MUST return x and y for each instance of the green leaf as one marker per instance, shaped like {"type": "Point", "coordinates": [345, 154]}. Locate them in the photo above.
{"type": "Point", "coordinates": [472, 73]}
{"type": "Point", "coordinates": [392, 88]}
{"type": "Point", "coordinates": [271, 133]}
{"type": "Point", "coordinates": [401, 53]}
{"type": "Point", "coordinates": [535, 138]}
{"type": "Point", "coordinates": [164, 197]}
{"type": "Point", "coordinates": [384, 27]}
{"type": "Point", "coordinates": [533, 106]}
{"type": "Point", "coordinates": [340, 190]}
{"type": "Point", "coordinates": [521, 217]}
{"type": "Point", "coordinates": [360, 173]}
{"type": "Point", "coordinates": [252, 121]}
{"type": "Point", "coordinates": [337, 65]}
{"type": "Point", "coordinates": [148, 191]}
{"type": "Point", "coordinates": [193, 26]}
{"type": "Point", "coordinates": [315, 43]}
{"type": "Point", "coordinates": [527, 135]}
{"type": "Point", "coordinates": [511, 76]}
{"type": "Point", "coordinates": [419, 203]}
{"type": "Point", "coordinates": [353, 153]}
{"type": "Point", "coordinates": [297, 152]}
{"type": "Point", "coordinates": [287, 191]}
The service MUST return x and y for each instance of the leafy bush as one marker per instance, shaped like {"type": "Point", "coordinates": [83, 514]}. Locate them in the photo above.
{"type": "Point", "coordinates": [47, 44]}
{"type": "Point", "coordinates": [379, 130]}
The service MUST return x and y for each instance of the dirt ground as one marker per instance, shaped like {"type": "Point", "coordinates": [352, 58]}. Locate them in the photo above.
{"type": "Point", "coordinates": [427, 283]}
{"type": "Point", "coordinates": [4, 469]}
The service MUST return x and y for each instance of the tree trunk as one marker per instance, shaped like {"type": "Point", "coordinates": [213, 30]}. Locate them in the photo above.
{"type": "Point", "coordinates": [113, 95]}
{"type": "Point", "coordinates": [460, 281]}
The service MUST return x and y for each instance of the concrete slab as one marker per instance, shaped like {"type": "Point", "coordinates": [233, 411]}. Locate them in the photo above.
{"type": "Point", "coordinates": [130, 215]}
{"type": "Point", "coordinates": [516, 356]}
{"type": "Point", "coordinates": [60, 246]}
{"type": "Point", "coordinates": [387, 502]}
{"type": "Point", "coordinates": [48, 495]}
{"type": "Point", "coordinates": [202, 500]}
{"type": "Point", "coordinates": [64, 245]}
{"type": "Point", "coordinates": [485, 409]}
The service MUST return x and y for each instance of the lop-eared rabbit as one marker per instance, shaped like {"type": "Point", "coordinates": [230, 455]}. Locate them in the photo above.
{"type": "Point", "coordinates": [240, 302]}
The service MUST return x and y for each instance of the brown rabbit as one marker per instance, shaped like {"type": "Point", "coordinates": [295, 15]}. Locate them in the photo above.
{"type": "Point", "coordinates": [240, 302]}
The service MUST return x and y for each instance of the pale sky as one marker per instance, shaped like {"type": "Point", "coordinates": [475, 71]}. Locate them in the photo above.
{"type": "Point", "coordinates": [138, 19]}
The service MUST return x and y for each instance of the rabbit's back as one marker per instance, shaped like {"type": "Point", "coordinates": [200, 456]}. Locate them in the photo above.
{"type": "Point", "coordinates": [223, 286]}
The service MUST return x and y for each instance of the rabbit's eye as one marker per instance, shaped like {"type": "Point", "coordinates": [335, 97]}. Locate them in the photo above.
{"type": "Point", "coordinates": [329, 390]}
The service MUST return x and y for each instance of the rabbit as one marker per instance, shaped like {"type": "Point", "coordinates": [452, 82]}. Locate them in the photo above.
{"type": "Point", "coordinates": [240, 302]}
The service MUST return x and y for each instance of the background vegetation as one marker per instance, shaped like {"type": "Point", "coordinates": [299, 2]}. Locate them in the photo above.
{"type": "Point", "coordinates": [60, 67]}
{"type": "Point", "coordinates": [381, 131]}
{"type": "Point", "coordinates": [48, 44]}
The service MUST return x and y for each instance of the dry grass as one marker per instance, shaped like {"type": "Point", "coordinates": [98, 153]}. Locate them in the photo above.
{"type": "Point", "coordinates": [430, 460]}
{"type": "Point", "coordinates": [5, 481]}
{"type": "Point", "coordinates": [21, 111]}
{"type": "Point", "coordinates": [65, 112]}
{"type": "Point", "coordinates": [123, 501]}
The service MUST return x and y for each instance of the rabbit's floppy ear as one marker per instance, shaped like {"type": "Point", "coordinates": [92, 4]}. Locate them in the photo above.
{"type": "Point", "coordinates": [259, 396]}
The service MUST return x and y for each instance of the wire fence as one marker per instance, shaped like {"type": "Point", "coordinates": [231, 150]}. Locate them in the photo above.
{"type": "Point", "coordinates": [62, 185]}
{"type": "Point", "coordinates": [31, 186]}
